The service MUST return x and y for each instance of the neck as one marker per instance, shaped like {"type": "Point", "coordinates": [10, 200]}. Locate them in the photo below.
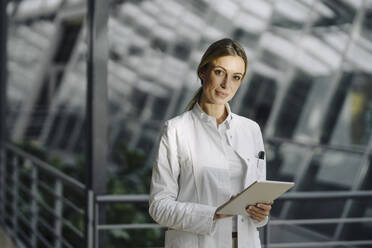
{"type": "Point", "coordinates": [217, 111]}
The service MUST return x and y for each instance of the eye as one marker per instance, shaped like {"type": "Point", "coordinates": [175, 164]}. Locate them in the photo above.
{"type": "Point", "coordinates": [237, 78]}
{"type": "Point", "coordinates": [218, 72]}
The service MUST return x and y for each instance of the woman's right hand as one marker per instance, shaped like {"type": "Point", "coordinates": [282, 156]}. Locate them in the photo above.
{"type": "Point", "coordinates": [221, 216]}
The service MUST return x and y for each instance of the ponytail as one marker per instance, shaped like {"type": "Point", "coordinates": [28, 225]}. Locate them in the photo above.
{"type": "Point", "coordinates": [195, 99]}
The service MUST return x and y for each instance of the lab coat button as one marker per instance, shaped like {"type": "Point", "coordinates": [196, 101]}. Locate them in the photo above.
{"type": "Point", "coordinates": [242, 220]}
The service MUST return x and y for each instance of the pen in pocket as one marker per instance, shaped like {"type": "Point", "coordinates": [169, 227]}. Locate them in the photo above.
{"type": "Point", "coordinates": [261, 155]}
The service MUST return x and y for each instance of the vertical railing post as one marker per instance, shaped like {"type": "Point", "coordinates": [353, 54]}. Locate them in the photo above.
{"type": "Point", "coordinates": [264, 238]}
{"type": "Point", "coordinates": [96, 112]}
{"type": "Point", "coordinates": [3, 90]}
{"type": "Point", "coordinates": [3, 161]}
{"type": "Point", "coordinates": [267, 235]}
{"type": "Point", "coordinates": [34, 205]}
{"type": "Point", "coordinates": [14, 190]}
{"type": "Point", "coordinates": [89, 221]}
{"type": "Point", "coordinates": [58, 211]}
{"type": "Point", "coordinates": [95, 227]}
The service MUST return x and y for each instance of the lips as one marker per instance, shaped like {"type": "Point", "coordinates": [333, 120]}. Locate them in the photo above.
{"type": "Point", "coordinates": [221, 94]}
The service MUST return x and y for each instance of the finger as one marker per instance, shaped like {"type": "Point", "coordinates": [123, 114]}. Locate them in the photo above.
{"type": "Point", "coordinates": [266, 203]}
{"type": "Point", "coordinates": [257, 213]}
{"type": "Point", "coordinates": [255, 210]}
{"type": "Point", "coordinates": [225, 216]}
{"type": "Point", "coordinates": [261, 215]}
{"type": "Point", "coordinates": [264, 206]}
{"type": "Point", "coordinates": [232, 197]}
{"type": "Point", "coordinates": [260, 210]}
{"type": "Point", "coordinates": [258, 217]}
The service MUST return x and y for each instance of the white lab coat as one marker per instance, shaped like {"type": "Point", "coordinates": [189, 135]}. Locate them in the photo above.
{"type": "Point", "coordinates": [190, 179]}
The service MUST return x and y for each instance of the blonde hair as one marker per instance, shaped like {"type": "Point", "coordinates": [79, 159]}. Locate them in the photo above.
{"type": "Point", "coordinates": [220, 48]}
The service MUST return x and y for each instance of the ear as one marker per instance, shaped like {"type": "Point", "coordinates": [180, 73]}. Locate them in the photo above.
{"type": "Point", "coordinates": [202, 76]}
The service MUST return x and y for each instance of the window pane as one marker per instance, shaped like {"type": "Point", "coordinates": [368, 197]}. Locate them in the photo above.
{"type": "Point", "coordinates": [293, 105]}
{"type": "Point", "coordinates": [308, 128]}
{"type": "Point", "coordinates": [354, 124]}
{"type": "Point", "coordinates": [283, 164]}
{"type": "Point", "coordinates": [259, 99]}
{"type": "Point", "coordinates": [284, 161]}
{"type": "Point", "coordinates": [336, 171]}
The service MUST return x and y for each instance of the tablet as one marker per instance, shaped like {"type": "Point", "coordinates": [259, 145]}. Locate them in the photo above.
{"type": "Point", "coordinates": [258, 191]}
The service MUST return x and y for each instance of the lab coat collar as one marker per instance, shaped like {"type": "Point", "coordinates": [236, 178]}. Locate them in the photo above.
{"type": "Point", "coordinates": [199, 112]}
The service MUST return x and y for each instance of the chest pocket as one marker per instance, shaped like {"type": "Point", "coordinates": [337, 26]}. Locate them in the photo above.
{"type": "Point", "coordinates": [256, 167]}
{"type": "Point", "coordinates": [252, 170]}
{"type": "Point", "coordinates": [261, 172]}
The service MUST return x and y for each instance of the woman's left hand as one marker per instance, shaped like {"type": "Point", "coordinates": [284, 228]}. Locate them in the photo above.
{"type": "Point", "coordinates": [260, 211]}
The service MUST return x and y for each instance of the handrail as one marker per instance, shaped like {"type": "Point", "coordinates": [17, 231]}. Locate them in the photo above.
{"type": "Point", "coordinates": [321, 244]}
{"type": "Point", "coordinates": [47, 168]}
{"type": "Point", "coordinates": [320, 221]}
{"type": "Point", "coordinates": [122, 198]}
{"type": "Point", "coordinates": [321, 195]}
{"type": "Point", "coordinates": [129, 226]}
{"type": "Point", "coordinates": [350, 148]}
{"type": "Point", "coordinates": [313, 195]}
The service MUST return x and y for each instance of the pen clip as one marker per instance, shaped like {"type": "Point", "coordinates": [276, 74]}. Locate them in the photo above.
{"type": "Point", "coordinates": [261, 155]}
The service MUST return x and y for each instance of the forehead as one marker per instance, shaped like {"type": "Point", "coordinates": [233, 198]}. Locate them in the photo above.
{"type": "Point", "coordinates": [234, 64]}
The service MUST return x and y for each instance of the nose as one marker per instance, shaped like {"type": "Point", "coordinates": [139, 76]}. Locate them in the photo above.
{"type": "Point", "coordinates": [225, 82]}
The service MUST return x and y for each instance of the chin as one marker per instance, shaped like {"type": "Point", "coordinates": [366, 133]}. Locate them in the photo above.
{"type": "Point", "coordinates": [220, 102]}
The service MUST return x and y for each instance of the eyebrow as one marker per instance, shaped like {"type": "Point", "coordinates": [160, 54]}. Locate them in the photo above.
{"type": "Point", "coordinates": [226, 70]}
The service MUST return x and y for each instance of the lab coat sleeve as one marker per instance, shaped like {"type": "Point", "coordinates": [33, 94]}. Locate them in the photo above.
{"type": "Point", "coordinates": [163, 205]}
{"type": "Point", "coordinates": [260, 143]}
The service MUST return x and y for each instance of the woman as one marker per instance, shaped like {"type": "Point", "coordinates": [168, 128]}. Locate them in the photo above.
{"type": "Point", "coordinates": [206, 155]}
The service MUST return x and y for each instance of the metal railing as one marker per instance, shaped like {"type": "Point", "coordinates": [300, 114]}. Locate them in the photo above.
{"type": "Point", "coordinates": [267, 243]}
{"type": "Point", "coordinates": [319, 196]}
{"type": "Point", "coordinates": [33, 201]}
{"type": "Point", "coordinates": [107, 199]}
{"type": "Point", "coordinates": [32, 189]}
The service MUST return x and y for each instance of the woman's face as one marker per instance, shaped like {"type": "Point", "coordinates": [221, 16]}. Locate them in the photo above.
{"type": "Point", "coordinates": [222, 79]}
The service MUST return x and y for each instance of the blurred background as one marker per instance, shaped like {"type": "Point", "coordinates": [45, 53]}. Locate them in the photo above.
{"type": "Point", "coordinates": [308, 85]}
